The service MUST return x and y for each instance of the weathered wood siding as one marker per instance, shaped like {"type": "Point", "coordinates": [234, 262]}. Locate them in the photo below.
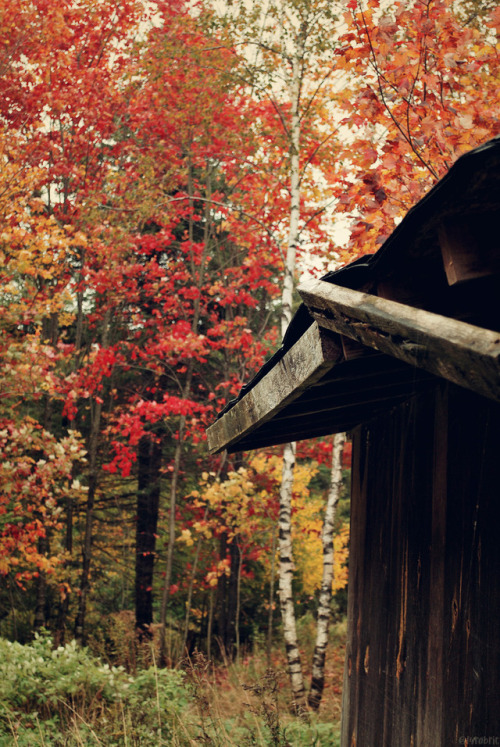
{"type": "Point", "coordinates": [423, 656]}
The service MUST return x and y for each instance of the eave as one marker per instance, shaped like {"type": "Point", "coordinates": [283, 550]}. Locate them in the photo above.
{"type": "Point", "coordinates": [323, 385]}
{"type": "Point", "coordinates": [302, 366]}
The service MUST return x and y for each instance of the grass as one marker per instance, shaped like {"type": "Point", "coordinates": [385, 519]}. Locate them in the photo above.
{"type": "Point", "coordinates": [248, 703]}
{"type": "Point", "coordinates": [67, 697]}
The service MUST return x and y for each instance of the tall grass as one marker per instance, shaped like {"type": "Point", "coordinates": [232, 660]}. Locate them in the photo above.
{"type": "Point", "coordinates": [55, 697]}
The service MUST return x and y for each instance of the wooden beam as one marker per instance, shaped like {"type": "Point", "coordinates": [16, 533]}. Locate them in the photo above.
{"type": "Point", "coordinates": [461, 353]}
{"type": "Point", "coordinates": [470, 246]}
{"type": "Point", "coordinates": [301, 366]}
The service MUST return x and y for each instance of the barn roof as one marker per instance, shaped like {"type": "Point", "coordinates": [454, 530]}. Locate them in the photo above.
{"type": "Point", "coordinates": [371, 334]}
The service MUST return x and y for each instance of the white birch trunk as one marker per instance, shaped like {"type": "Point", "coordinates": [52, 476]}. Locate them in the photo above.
{"type": "Point", "coordinates": [324, 610]}
{"type": "Point", "coordinates": [291, 35]}
{"type": "Point", "coordinates": [285, 583]}
{"type": "Point", "coordinates": [272, 582]}
{"type": "Point", "coordinates": [293, 229]}
{"type": "Point", "coordinates": [285, 518]}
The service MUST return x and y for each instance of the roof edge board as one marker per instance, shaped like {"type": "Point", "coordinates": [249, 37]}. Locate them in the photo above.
{"type": "Point", "coordinates": [457, 351]}
{"type": "Point", "coordinates": [304, 364]}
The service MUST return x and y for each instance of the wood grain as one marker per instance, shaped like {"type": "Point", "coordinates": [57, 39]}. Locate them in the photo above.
{"type": "Point", "coordinates": [306, 362]}
{"type": "Point", "coordinates": [458, 352]}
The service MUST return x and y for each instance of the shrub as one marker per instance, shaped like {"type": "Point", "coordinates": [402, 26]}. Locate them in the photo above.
{"type": "Point", "coordinates": [65, 696]}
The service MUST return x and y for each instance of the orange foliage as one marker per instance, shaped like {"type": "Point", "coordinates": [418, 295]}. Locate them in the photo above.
{"type": "Point", "coordinates": [420, 87]}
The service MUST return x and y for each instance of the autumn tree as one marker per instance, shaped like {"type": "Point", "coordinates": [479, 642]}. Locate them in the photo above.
{"type": "Point", "coordinates": [244, 505]}
{"type": "Point", "coordinates": [163, 171]}
{"type": "Point", "coordinates": [200, 304]}
{"type": "Point", "coordinates": [55, 61]}
{"type": "Point", "coordinates": [420, 88]}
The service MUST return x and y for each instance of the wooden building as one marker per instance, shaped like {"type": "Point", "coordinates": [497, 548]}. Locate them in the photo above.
{"type": "Point", "coordinates": [402, 349]}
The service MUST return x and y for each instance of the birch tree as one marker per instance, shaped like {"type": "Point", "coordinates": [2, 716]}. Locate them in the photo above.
{"type": "Point", "coordinates": [325, 596]}
{"type": "Point", "coordinates": [287, 49]}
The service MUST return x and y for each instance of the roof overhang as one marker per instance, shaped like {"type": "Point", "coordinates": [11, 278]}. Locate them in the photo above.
{"type": "Point", "coordinates": [362, 353]}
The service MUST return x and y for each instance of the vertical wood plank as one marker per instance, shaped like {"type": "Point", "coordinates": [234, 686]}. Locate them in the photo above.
{"type": "Point", "coordinates": [423, 657]}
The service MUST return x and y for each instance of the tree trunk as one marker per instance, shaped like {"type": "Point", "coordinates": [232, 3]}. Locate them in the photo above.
{"type": "Point", "coordinates": [210, 623]}
{"type": "Point", "coordinates": [41, 588]}
{"type": "Point", "coordinates": [270, 619]}
{"type": "Point", "coordinates": [285, 520]}
{"type": "Point", "coordinates": [237, 612]}
{"type": "Point", "coordinates": [171, 542]}
{"type": "Point", "coordinates": [190, 587]}
{"type": "Point", "coordinates": [50, 333]}
{"type": "Point", "coordinates": [62, 614]}
{"type": "Point", "coordinates": [294, 214]}
{"type": "Point", "coordinates": [93, 447]}
{"type": "Point", "coordinates": [325, 596]}
{"type": "Point", "coordinates": [148, 499]}
{"type": "Point", "coordinates": [231, 634]}
{"type": "Point", "coordinates": [87, 540]}
{"type": "Point", "coordinates": [221, 601]}
{"type": "Point", "coordinates": [285, 583]}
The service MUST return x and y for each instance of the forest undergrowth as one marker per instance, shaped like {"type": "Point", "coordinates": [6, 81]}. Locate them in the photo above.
{"type": "Point", "coordinates": [65, 696]}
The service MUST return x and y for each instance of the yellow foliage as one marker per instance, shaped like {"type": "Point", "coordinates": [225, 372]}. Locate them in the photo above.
{"type": "Point", "coordinates": [307, 524]}
{"type": "Point", "coordinates": [308, 549]}
{"type": "Point", "coordinates": [35, 251]}
{"type": "Point", "coordinates": [202, 527]}
{"type": "Point", "coordinates": [235, 502]}
{"type": "Point", "coordinates": [186, 537]}
{"type": "Point", "coordinates": [222, 569]}
{"type": "Point", "coordinates": [341, 549]}
{"type": "Point", "coordinates": [306, 537]}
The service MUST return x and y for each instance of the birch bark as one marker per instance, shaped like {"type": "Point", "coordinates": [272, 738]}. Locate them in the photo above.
{"type": "Point", "coordinates": [286, 491]}
{"type": "Point", "coordinates": [325, 596]}
{"type": "Point", "coordinates": [285, 583]}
